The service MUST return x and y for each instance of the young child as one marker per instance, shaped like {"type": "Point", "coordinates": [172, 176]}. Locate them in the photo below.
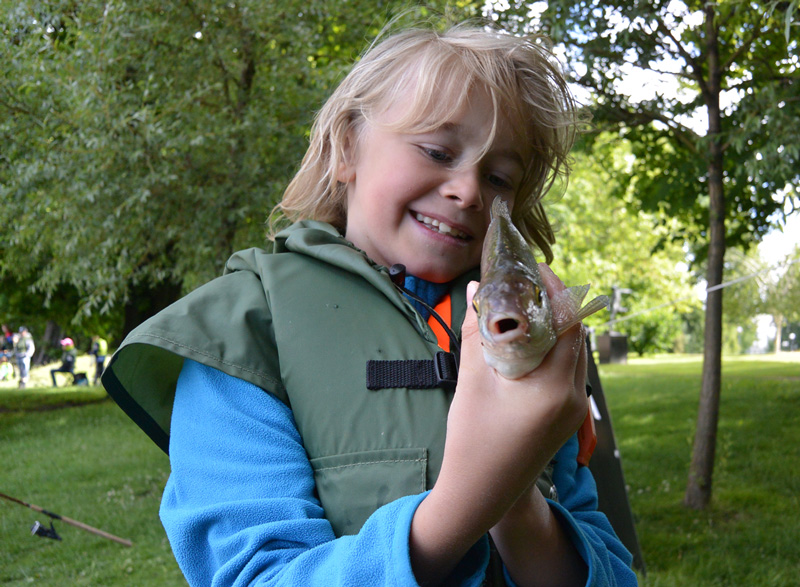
{"type": "Point", "coordinates": [69, 357]}
{"type": "Point", "coordinates": [292, 463]}
{"type": "Point", "coordinates": [6, 370]}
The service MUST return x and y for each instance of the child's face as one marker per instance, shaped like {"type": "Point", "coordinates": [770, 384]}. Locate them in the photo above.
{"type": "Point", "coordinates": [423, 200]}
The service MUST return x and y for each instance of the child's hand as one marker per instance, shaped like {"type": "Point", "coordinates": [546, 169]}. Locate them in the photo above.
{"type": "Point", "coordinates": [501, 433]}
{"type": "Point", "coordinates": [514, 427]}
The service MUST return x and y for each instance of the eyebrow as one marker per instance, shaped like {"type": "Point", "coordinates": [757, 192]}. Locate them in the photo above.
{"type": "Point", "coordinates": [512, 154]}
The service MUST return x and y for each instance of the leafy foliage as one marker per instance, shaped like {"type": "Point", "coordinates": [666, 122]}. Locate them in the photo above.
{"type": "Point", "coordinates": [734, 65]}
{"type": "Point", "coordinates": [604, 239]}
{"type": "Point", "coordinates": [144, 142]}
{"type": "Point", "coordinates": [649, 75]}
{"type": "Point", "coordinates": [783, 295]}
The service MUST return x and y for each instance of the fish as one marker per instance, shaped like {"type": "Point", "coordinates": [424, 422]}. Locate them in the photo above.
{"type": "Point", "coordinates": [517, 321]}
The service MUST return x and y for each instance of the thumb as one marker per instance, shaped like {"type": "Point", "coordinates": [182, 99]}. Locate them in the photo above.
{"type": "Point", "coordinates": [471, 353]}
{"type": "Point", "coordinates": [469, 328]}
{"type": "Point", "coordinates": [551, 281]}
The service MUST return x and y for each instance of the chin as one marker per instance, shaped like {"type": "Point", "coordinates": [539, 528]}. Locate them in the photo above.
{"type": "Point", "coordinates": [434, 275]}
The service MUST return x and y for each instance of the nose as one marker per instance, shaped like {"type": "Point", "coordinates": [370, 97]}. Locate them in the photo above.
{"type": "Point", "coordinates": [464, 187]}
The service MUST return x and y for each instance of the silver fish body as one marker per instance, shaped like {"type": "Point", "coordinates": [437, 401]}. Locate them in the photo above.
{"type": "Point", "coordinates": [518, 322]}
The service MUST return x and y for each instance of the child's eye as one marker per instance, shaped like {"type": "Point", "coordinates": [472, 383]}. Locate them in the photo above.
{"type": "Point", "coordinates": [437, 154]}
{"type": "Point", "coordinates": [499, 182]}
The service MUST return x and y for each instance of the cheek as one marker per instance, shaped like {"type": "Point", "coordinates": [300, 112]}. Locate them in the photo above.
{"type": "Point", "coordinates": [476, 256]}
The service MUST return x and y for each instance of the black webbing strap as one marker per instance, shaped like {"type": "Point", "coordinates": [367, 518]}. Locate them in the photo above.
{"type": "Point", "coordinates": [441, 371]}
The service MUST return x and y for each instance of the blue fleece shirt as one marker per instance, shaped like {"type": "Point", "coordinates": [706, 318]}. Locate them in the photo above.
{"type": "Point", "coordinates": [239, 507]}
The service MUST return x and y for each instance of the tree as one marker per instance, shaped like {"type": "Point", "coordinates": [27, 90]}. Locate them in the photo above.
{"type": "Point", "coordinates": [732, 62]}
{"type": "Point", "coordinates": [782, 298]}
{"type": "Point", "coordinates": [20, 306]}
{"type": "Point", "coordinates": [603, 239]}
{"type": "Point", "coordinates": [144, 142]}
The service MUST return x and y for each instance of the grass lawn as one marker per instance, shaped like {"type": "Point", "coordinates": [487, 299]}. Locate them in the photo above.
{"type": "Point", "coordinates": [72, 451]}
{"type": "Point", "coordinates": [749, 535]}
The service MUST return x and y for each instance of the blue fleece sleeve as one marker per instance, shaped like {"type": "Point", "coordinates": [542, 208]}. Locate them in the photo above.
{"type": "Point", "coordinates": [608, 561]}
{"type": "Point", "coordinates": [239, 507]}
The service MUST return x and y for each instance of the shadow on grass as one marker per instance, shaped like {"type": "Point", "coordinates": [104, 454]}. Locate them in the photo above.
{"type": "Point", "coordinates": [43, 399]}
{"type": "Point", "coordinates": [90, 463]}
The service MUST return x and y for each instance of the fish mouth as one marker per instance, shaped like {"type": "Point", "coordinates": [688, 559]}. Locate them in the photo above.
{"type": "Point", "coordinates": [440, 227]}
{"type": "Point", "coordinates": [507, 328]}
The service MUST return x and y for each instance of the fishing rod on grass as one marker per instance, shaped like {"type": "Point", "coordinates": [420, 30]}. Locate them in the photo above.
{"type": "Point", "coordinates": [42, 531]}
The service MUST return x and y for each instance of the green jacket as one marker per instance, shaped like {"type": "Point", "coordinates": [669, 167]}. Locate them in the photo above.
{"type": "Point", "coordinates": [261, 322]}
{"type": "Point", "coordinates": [24, 346]}
{"type": "Point", "coordinates": [301, 323]}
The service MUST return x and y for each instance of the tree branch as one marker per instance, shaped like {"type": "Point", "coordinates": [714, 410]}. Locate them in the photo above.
{"type": "Point", "coordinates": [684, 135]}
{"type": "Point", "coordinates": [227, 76]}
{"type": "Point", "coordinates": [639, 116]}
{"type": "Point", "coordinates": [757, 32]}
{"type": "Point", "coordinates": [678, 74]}
{"type": "Point", "coordinates": [695, 64]}
{"type": "Point", "coordinates": [14, 108]}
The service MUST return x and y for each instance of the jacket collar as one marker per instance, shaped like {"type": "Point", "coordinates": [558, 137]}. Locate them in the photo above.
{"type": "Point", "coordinates": [322, 241]}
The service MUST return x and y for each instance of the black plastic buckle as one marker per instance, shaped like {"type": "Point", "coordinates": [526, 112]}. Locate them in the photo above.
{"type": "Point", "coordinates": [446, 370]}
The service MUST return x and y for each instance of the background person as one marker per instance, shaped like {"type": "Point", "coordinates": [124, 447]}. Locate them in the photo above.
{"type": "Point", "coordinates": [99, 350]}
{"type": "Point", "coordinates": [7, 343]}
{"type": "Point", "coordinates": [6, 370]}
{"type": "Point", "coordinates": [24, 348]}
{"type": "Point", "coordinates": [68, 358]}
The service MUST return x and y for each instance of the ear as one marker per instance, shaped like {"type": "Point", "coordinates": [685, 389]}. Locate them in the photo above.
{"type": "Point", "coordinates": [346, 170]}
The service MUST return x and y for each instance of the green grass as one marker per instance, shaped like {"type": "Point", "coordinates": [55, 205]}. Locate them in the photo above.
{"type": "Point", "coordinates": [72, 451]}
{"type": "Point", "coordinates": [749, 535]}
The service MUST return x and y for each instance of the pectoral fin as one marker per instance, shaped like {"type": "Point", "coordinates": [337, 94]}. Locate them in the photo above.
{"type": "Point", "coordinates": [595, 305]}
{"type": "Point", "coordinates": [566, 307]}
{"type": "Point", "coordinates": [566, 304]}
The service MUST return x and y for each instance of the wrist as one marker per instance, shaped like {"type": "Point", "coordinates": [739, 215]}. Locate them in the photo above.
{"type": "Point", "coordinates": [534, 546]}
{"type": "Point", "coordinates": [442, 531]}
{"type": "Point", "coordinates": [529, 516]}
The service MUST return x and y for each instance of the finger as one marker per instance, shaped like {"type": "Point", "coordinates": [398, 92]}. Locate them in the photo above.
{"type": "Point", "coordinates": [566, 353]}
{"type": "Point", "coordinates": [470, 339]}
{"type": "Point", "coordinates": [470, 326]}
{"type": "Point", "coordinates": [552, 283]}
{"type": "Point", "coordinates": [582, 365]}
{"type": "Point", "coordinates": [472, 287]}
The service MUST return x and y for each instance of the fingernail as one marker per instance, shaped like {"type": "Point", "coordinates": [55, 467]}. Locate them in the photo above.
{"type": "Point", "coordinates": [472, 287]}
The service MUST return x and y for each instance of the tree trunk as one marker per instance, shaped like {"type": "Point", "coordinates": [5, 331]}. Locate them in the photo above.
{"type": "Point", "coordinates": [147, 300]}
{"type": "Point", "coordinates": [50, 340]}
{"type": "Point", "coordinates": [778, 318]}
{"type": "Point", "coordinates": [698, 490]}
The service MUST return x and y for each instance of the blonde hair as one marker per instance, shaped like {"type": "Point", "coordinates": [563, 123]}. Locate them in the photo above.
{"type": "Point", "coordinates": [521, 76]}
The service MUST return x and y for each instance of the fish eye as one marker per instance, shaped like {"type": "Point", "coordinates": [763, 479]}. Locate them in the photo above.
{"type": "Point", "coordinates": [537, 291]}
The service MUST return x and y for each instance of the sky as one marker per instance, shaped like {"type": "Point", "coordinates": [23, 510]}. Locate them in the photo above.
{"type": "Point", "coordinates": [776, 245]}
{"type": "Point", "coordinates": [643, 84]}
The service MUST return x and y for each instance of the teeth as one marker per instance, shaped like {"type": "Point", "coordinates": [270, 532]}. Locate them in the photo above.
{"type": "Point", "coordinates": [440, 227]}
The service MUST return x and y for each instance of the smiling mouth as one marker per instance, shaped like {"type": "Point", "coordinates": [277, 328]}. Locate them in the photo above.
{"type": "Point", "coordinates": [440, 227]}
